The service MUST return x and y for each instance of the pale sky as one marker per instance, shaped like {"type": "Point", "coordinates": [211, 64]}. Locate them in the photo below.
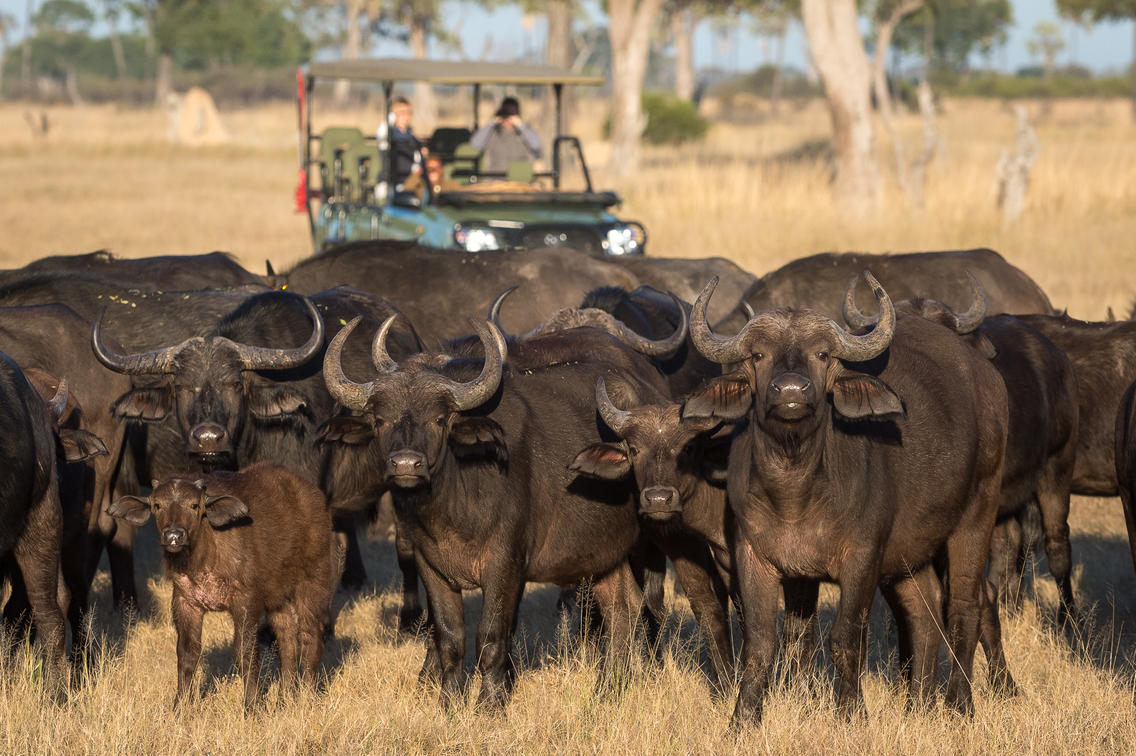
{"type": "Point", "coordinates": [501, 35]}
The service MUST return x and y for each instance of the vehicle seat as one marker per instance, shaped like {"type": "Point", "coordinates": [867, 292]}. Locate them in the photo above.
{"type": "Point", "coordinates": [336, 140]}
{"type": "Point", "coordinates": [446, 139]}
{"type": "Point", "coordinates": [465, 163]}
{"type": "Point", "coordinates": [362, 166]}
{"type": "Point", "coordinates": [521, 171]}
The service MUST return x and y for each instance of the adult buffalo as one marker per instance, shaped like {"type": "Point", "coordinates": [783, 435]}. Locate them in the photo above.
{"type": "Point", "coordinates": [1041, 442]}
{"type": "Point", "coordinates": [1104, 361]}
{"type": "Point", "coordinates": [214, 270]}
{"type": "Point", "coordinates": [251, 390]}
{"type": "Point", "coordinates": [685, 277]}
{"type": "Point", "coordinates": [469, 448]}
{"type": "Point", "coordinates": [1126, 462]}
{"type": "Point", "coordinates": [819, 281]}
{"type": "Point", "coordinates": [864, 458]}
{"type": "Point", "coordinates": [439, 289]}
{"type": "Point", "coordinates": [30, 519]}
{"type": "Point", "coordinates": [75, 445]}
{"type": "Point", "coordinates": [52, 338]}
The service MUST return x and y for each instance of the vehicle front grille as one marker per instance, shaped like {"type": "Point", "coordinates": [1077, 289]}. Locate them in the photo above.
{"type": "Point", "coordinates": [580, 238]}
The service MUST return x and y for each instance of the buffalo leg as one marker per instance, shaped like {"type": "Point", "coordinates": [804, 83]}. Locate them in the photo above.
{"type": "Point", "coordinates": [916, 603]}
{"type": "Point", "coordinates": [502, 597]}
{"type": "Point", "coordinates": [991, 637]}
{"type": "Point", "coordinates": [246, 650]}
{"type": "Point", "coordinates": [620, 600]}
{"type": "Point", "coordinates": [447, 614]}
{"type": "Point", "coordinates": [354, 571]}
{"type": "Point", "coordinates": [649, 567]}
{"type": "Point", "coordinates": [120, 554]}
{"type": "Point", "coordinates": [1053, 499]}
{"type": "Point", "coordinates": [37, 554]}
{"type": "Point", "coordinates": [799, 634]}
{"type": "Point", "coordinates": [1006, 562]}
{"type": "Point", "coordinates": [410, 613]}
{"type": "Point", "coordinates": [286, 627]}
{"type": "Point", "coordinates": [967, 550]}
{"type": "Point", "coordinates": [187, 619]}
{"type": "Point", "coordinates": [708, 601]}
{"type": "Point", "coordinates": [759, 586]}
{"type": "Point", "coordinates": [849, 635]}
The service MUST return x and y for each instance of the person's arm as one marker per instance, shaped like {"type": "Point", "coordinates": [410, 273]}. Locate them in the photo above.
{"type": "Point", "coordinates": [480, 137]}
{"type": "Point", "coordinates": [530, 138]}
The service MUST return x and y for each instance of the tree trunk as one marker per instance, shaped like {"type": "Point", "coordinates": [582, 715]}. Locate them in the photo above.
{"type": "Point", "coordinates": [162, 88]}
{"type": "Point", "coordinates": [629, 28]}
{"type": "Point", "coordinates": [119, 54]}
{"type": "Point", "coordinates": [1133, 70]}
{"type": "Point", "coordinates": [352, 43]}
{"type": "Point", "coordinates": [425, 109]}
{"type": "Point", "coordinates": [558, 52]}
{"type": "Point", "coordinates": [885, 30]}
{"type": "Point", "coordinates": [682, 28]}
{"type": "Point", "coordinates": [778, 83]}
{"type": "Point", "coordinates": [3, 52]}
{"type": "Point", "coordinates": [838, 53]}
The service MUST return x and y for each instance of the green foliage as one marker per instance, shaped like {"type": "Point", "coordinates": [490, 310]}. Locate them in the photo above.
{"type": "Point", "coordinates": [207, 33]}
{"type": "Point", "coordinates": [958, 28]}
{"type": "Point", "coordinates": [1031, 82]}
{"type": "Point", "coordinates": [1098, 10]}
{"type": "Point", "coordinates": [670, 120]}
{"type": "Point", "coordinates": [759, 82]}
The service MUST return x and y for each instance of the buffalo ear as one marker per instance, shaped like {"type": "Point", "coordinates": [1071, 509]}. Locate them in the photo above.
{"type": "Point", "coordinates": [345, 429]}
{"type": "Point", "coordinates": [983, 345]}
{"type": "Point", "coordinates": [79, 445]}
{"type": "Point", "coordinates": [145, 404]}
{"type": "Point", "coordinates": [725, 398]}
{"type": "Point", "coordinates": [272, 403]}
{"type": "Point", "coordinates": [473, 436]}
{"type": "Point", "coordinates": [133, 509]}
{"type": "Point", "coordinates": [858, 396]}
{"type": "Point", "coordinates": [224, 509]}
{"type": "Point", "coordinates": [602, 461]}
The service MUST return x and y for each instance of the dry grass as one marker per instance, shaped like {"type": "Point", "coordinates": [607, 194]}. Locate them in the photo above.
{"type": "Point", "coordinates": [756, 194]}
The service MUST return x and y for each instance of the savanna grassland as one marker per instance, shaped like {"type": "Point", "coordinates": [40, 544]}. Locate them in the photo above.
{"type": "Point", "coordinates": [755, 193]}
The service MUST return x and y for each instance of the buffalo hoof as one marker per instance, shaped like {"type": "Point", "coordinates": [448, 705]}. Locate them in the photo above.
{"type": "Point", "coordinates": [1003, 685]}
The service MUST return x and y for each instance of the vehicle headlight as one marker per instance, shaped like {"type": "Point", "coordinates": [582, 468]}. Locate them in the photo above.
{"type": "Point", "coordinates": [624, 239]}
{"type": "Point", "coordinates": [476, 238]}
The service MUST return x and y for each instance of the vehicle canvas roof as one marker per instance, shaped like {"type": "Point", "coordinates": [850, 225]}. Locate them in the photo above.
{"type": "Point", "coordinates": [447, 72]}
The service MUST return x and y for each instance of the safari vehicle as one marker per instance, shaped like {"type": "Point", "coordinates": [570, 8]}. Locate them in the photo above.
{"type": "Point", "coordinates": [347, 194]}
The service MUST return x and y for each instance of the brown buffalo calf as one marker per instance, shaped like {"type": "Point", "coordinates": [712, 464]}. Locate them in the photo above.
{"type": "Point", "coordinates": [249, 542]}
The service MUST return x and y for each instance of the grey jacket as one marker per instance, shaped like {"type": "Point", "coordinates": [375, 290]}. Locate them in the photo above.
{"type": "Point", "coordinates": [501, 145]}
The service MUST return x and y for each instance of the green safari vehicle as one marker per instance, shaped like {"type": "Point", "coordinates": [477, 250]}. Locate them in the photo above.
{"type": "Point", "coordinates": [346, 193]}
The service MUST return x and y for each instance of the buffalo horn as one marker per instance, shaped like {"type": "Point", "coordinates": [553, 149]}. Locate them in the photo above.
{"type": "Point", "coordinates": [495, 308]}
{"type": "Point", "coordinates": [270, 358]}
{"type": "Point", "coordinates": [712, 346]}
{"type": "Point", "coordinates": [58, 403]}
{"type": "Point", "coordinates": [348, 393]}
{"type": "Point", "coordinates": [139, 363]}
{"type": "Point", "coordinates": [862, 348]}
{"type": "Point", "coordinates": [615, 418]}
{"type": "Point", "coordinates": [477, 392]}
{"type": "Point", "coordinates": [968, 321]}
{"type": "Point", "coordinates": [383, 361]}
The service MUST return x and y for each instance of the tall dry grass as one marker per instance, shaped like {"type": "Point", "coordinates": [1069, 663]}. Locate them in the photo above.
{"type": "Point", "coordinates": [756, 194]}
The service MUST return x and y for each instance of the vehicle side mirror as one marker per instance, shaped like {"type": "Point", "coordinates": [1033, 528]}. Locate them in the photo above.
{"type": "Point", "coordinates": [406, 199]}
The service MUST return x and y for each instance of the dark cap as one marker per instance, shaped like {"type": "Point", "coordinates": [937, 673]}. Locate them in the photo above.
{"type": "Point", "coordinates": [509, 107]}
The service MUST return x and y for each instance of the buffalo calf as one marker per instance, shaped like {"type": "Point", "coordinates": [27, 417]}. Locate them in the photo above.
{"type": "Point", "coordinates": [249, 542]}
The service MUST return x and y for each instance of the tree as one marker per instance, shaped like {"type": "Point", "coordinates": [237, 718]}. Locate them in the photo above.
{"type": "Point", "coordinates": [112, 11]}
{"type": "Point", "coordinates": [1106, 10]}
{"type": "Point", "coordinates": [771, 19]}
{"type": "Point", "coordinates": [7, 23]}
{"type": "Point", "coordinates": [838, 54]}
{"type": "Point", "coordinates": [63, 23]}
{"type": "Point", "coordinates": [1046, 42]}
{"type": "Point", "coordinates": [948, 32]}
{"type": "Point", "coordinates": [629, 27]}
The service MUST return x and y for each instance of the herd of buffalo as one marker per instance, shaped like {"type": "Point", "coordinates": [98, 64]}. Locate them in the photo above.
{"type": "Point", "coordinates": [910, 423]}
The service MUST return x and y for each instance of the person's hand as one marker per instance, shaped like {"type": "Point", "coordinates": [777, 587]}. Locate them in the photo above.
{"type": "Point", "coordinates": [514, 122]}
{"type": "Point", "coordinates": [415, 169]}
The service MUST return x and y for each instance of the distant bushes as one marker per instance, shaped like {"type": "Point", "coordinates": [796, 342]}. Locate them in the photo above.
{"type": "Point", "coordinates": [670, 120]}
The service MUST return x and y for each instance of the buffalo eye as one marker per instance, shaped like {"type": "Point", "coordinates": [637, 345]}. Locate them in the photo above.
{"type": "Point", "coordinates": [634, 450]}
{"type": "Point", "coordinates": [822, 356]}
{"type": "Point", "coordinates": [440, 420]}
{"type": "Point", "coordinates": [758, 356]}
